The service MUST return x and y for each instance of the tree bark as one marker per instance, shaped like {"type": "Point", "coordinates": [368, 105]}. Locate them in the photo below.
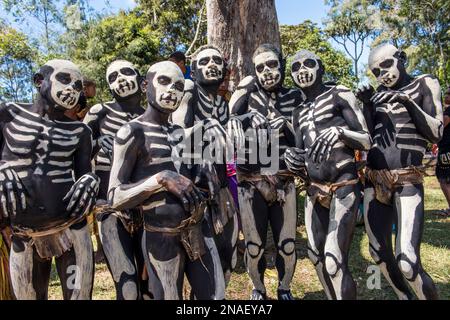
{"type": "Point", "coordinates": [238, 27]}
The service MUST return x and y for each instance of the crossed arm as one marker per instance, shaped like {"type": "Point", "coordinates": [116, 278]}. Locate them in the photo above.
{"type": "Point", "coordinates": [427, 118]}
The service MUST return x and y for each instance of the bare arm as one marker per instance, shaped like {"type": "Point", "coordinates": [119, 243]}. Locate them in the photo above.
{"type": "Point", "coordinates": [357, 135]}
{"type": "Point", "coordinates": [239, 100]}
{"type": "Point", "coordinates": [121, 192]}
{"type": "Point", "coordinates": [84, 191]}
{"type": "Point", "coordinates": [82, 156]}
{"type": "Point", "coordinates": [12, 192]}
{"type": "Point", "coordinates": [365, 94]}
{"type": "Point", "coordinates": [92, 119]}
{"type": "Point", "coordinates": [446, 120]}
{"type": "Point", "coordinates": [295, 157]}
{"type": "Point", "coordinates": [296, 126]}
{"type": "Point", "coordinates": [184, 115]}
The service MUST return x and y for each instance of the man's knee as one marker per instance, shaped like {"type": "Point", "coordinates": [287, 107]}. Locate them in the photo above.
{"type": "Point", "coordinates": [407, 267]}
{"type": "Point", "coordinates": [287, 247]}
{"type": "Point", "coordinates": [332, 265]}
{"type": "Point", "coordinates": [254, 250]}
{"type": "Point", "coordinates": [129, 290]}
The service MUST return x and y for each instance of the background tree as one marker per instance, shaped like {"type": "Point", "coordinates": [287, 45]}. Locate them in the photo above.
{"type": "Point", "coordinates": [128, 35]}
{"type": "Point", "coordinates": [338, 68]}
{"type": "Point", "coordinates": [176, 21]}
{"type": "Point", "coordinates": [16, 65]}
{"type": "Point", "coordinates": [351, 24]}
{"type": "Point", "coordinates": [422, 29]}
{"type": "Point", "coordinates": [238, 27]}
{"type": "Point", "coordinates": [46, 12]}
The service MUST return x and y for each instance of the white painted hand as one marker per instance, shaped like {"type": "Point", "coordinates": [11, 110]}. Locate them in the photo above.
{"type": "Point", "coordinates": [82, 195]}
{"type": "Point", "coordinates": [322, 146]}
{"type": "Point", "coordinates": [12, 193]}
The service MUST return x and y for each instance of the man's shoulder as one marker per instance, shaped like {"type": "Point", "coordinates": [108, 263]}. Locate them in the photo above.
{"type": "Point", "coordinates": [132, 129]}
{"type": "Point", "coordinates": [97, 109]}
{"type": "Point", "coordinates": [9, 110]}
{"type": "Point", "coordinates": [17, 106]}
{"type": "Point", "coordinates": [249, 82]}
{"type": "Point", "coordinates": [428, 80]}
{"type": "Point", "coordinates": [341, 88]}
{"type": "Point", "coordinates": [189, 85]}
{"type": "Point", "coordinates": [292, 92]}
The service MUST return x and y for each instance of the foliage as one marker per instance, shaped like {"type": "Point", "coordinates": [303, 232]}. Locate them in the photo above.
{"type": "Point", "coordinates": [176, 20]}
{"type": "Point", "coordinates": [351, 24]}
{"type": "Point", "coordinates": [422, 29]}
{"type": "Point", "coordinates": [128, 35]}
{"type": "Point", "coordinates": [46, 12]}
{"type": "Point", "coordinates": [16, 64]}
{"type": "Point", "coordinates": [308, 36]}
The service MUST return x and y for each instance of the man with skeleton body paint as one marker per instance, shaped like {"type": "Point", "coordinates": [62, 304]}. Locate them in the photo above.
{"type": "Point", "coordinates": [402, 115]}
{"type": "Point", "coordinates": [46, 186]}
{"type": "Point", "coordinates": [120, 232]}
{"type": "Point", "coordinates": [259, 106]}
{"type": "Point", "coordinates": [201, 101]}
{"type": "Point", "coordinates": [147, 173]}
{"type": "Point", "coordinates": [329, 127]}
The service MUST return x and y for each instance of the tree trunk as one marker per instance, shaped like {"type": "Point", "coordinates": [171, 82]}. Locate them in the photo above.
{"type": "Point", "coordinates": [238, 27]}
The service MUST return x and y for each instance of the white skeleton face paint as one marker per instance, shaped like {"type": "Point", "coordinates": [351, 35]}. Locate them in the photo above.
{"type": "Point", "coordinates": [210, 64]}
{"type": "Point", "coordinates": [122, 78]}
{"type": "Point", "coordinates": [66, 83]}
{"type": "Point", "coordinates": [384, 65]}
{"type": "Point", "coordinates": [166, 87]}
{"type": "Point", "coordinates": [305, 68]}
{"type": "Point", "coordinates": [267, 67]}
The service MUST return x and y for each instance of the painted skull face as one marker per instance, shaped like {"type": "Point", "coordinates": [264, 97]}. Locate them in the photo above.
{"type": "Point", "coordinates": [122, 78]}
{"type": "Point", "coordinates": [209, 66]}
{"type": "Point", "coordinates": [384, 64]}
{"type": "Point", "coordinates": [268, 69]}
{"type": "Point", "coordinates": [165, 86]}
{"type": "Point", "coordinates": [65, 83]}
{"type": "Point", "coordinates": [305, 68]}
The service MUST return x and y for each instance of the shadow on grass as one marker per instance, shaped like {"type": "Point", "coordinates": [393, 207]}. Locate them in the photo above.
{"type": "Point", "coordinates": [436, 230]}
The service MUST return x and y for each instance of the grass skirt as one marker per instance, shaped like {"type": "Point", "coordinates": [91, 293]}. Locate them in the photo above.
{"type": "Point", "coordinates": [6, 292]}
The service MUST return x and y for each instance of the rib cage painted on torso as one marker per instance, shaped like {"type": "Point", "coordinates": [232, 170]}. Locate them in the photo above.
{"type": "Point", "coordinates": [207, 109]}
{"type": "Point", "coordinates": [111, 123]}
{"type": "Point", "coordinates": [395, 134]}
{"type": "Point", "coordinates": [313, 118]}
{"type": "Point", "coordinates": [48, 145]}
{"type": "Point", "coordinates": [272, 106]}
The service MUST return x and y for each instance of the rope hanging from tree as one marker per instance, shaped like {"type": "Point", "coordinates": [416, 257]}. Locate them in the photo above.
{"type": "Point", "coordinates": [197, 31]}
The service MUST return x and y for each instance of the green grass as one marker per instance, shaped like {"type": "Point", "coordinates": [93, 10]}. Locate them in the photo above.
{"type": "Point", "coordinates": [305, 285]}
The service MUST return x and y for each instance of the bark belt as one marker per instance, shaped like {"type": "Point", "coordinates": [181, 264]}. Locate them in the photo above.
{"type": "Point", "coordinates": [221, 213]}
{"type": "Point", "coordinates": [131, 219]}
{"type": "Point", "coordinates": [190, 231]}
{"type": "Point", "coordinates": [324, 192]}
{"type": "Point", "coordinates": [385, 181]}
{"type": "Point", "coordinates": [34, 233]}
{"type": "Point", "coordinates": [273, 188]}
{"type": "Point", "coordinates": [52, 242]}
